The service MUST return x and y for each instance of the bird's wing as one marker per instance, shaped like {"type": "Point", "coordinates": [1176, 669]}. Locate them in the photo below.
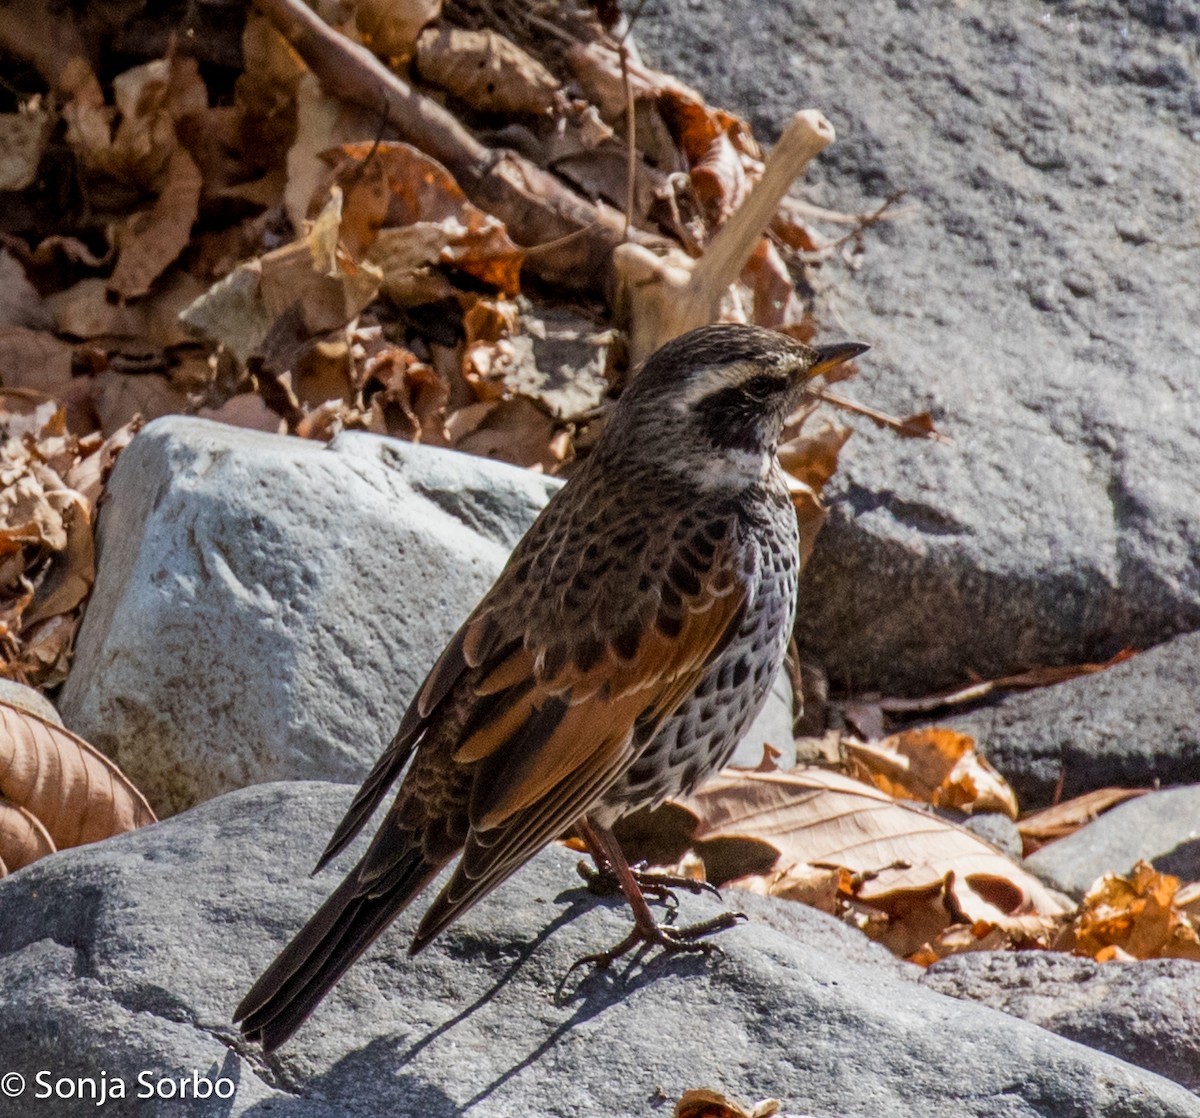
{"type": "Point", "coordinates": [552, 734]}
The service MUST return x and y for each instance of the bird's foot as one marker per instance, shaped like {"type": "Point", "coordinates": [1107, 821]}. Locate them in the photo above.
{"type": "Point", "coordinates": [666, 937]}
{"type": "Point", "coordinates": [604, 882]}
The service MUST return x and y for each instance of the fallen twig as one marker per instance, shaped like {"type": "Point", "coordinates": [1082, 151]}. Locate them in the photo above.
{"type": "Point", "coordinates": [535, 205]}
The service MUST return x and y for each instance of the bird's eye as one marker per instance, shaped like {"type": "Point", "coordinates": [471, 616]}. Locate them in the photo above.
{"type": "Point", "coordinates": [761, 387]}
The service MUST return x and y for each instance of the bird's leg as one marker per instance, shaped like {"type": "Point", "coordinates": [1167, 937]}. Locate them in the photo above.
{"type": "Point", "coordinates": [646, 930]}
{"type": "Point", "coordinates": [604, 881]}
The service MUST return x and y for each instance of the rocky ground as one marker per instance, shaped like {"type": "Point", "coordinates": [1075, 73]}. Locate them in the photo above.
{"type": "Point", "coordinates": [264, 608]}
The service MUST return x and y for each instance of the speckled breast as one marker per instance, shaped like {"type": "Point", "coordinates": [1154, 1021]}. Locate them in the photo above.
{"type": "Point", "coordinates": [705, 729]}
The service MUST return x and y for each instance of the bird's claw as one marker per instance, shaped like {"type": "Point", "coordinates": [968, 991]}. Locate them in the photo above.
{"type": "Point", "coordinates": [669, 939]}
{"type": "Point", "coordinates": [658, 886]}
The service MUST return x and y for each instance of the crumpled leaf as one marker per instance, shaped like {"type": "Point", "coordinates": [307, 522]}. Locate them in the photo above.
{"type": "Point", "coordinates": [390, 27]}
{"type": "Point", "coordinates": [77, 793]}
{"type": "Point", "coordinates": [486, 70]}
{"type": "Point", "coordinates": [312, 274]}
{"type": "Point", "coordinates": [411, 398]}
{"type": "Point", "coordinates": [153, 239]}
{"type": "Point", "coordinates": [429, 222]}
{"type": "Point", "coordinates": [934, 765]}
{"type": "Point", "coordinates": [703, 1103]}
{"type": "Point", "coordinates": [512, 431]}
{"type": "Point", "coordinates": [1136, 916]}
{"type": "Point", "coordinates": [809, 460]}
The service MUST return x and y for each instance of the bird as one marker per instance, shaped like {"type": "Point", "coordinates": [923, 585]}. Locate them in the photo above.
{"type": "Point", "coordinates": [625, 648]}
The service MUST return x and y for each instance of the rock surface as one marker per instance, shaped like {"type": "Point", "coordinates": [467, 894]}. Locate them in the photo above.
{"type": "Point", "coordinates": [1134, 725]}
{"type": "Point", "coordinates": [131, 954]}
{"type": "Point", "coordinates": [1162, 828]}
{"type": "Point", "coordinates": [1040, 301]}
{"type": "Point", "coordinates": [265, 607]}
{"type": "Point", "coordinates": [1146, 1013]}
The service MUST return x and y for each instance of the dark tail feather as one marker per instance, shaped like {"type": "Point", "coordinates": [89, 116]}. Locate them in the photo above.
{"type": "Point", "coordinates": [374, 788]}
{"type": "Point", "coordinates": [324, 949]}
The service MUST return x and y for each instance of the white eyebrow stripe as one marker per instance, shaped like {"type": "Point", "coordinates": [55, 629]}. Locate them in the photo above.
{"type": "Point", "coordinates": [709, 379]}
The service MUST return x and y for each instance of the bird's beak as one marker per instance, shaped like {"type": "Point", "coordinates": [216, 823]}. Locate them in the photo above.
{"type": "Point", "coordinates": [830, 356]}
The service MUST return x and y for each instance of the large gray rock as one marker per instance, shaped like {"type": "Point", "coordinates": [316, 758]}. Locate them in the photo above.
{"type": "Point", "coordinates": [1162, 828]}
{"type": "Point", "coordinates": [265, 607]}
{"type": "Point", "coordinates": [130, 956]}
{"type": "Point", "coordinates": [1134, 725]}
{"type": "Point", "coordinates": [1147, 1013]}
{"type": "Point", "coordinates": [1041, 301]}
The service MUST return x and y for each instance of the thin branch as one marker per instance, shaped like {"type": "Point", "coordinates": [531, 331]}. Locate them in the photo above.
{"type": "Point", "coordinates": [536, 206]}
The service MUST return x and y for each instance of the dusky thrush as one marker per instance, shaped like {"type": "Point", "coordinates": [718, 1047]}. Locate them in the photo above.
{"type": "Point", "coordinates": [624, 650]}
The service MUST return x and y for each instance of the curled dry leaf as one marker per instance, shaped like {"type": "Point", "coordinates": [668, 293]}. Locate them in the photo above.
{"type": "Point", "coordinates": [814, 817]}
{"type": "Point", "coordinates": [513, 431]}
{"type": "Point", "coordinates": [1062, 819]}
{"type": "Point", "coordinates": [312, 275]}
{"type": "Point", "coordinates": [775, 301]}
{"type": "Point", "coordinates": [152, 240]}
{"type": "Point", "coordinates": [1134, 917]}
{"type": "Point", "coordinates": [23, 839]}
{"type": "Point", "coordinates": [428, 221]}
{"type": "Point", "coordinates": [390, 27]}
{"type": "Point", "coordinates": [936, 766]}
{"type": "Point", "coordinates": [486, 70]}
{"type": "Point", "coordinates": [703, 1103]}
{"type": "Point", "coordinates": [410, 401]}
{"type": "Point", "coordinates": [809, 460]}
{"type": "Point", "coordinates": [77, 793]}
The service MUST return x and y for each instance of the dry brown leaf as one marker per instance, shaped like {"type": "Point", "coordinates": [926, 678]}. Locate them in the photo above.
{"type": "Point", "coordinates": [119, 398]}
{"type": "Point", "coordinates": [77, 793]}
{"type": "Point", "coordinates": [73, 569]}
{"type": "Point", "coordinates": [809, 460]}
{"type": "Point", "coordinates": [88, 476]}
{"type": "Point", "coordinates": [411, 399]}
{"type": "Point", "coordinates": [703, 1103]}
{"type": "Point", "coordinates": [1133, 917]}
{"type": "Point", "coordinates": [936, 766]}
{"type": "Point", "coordinates": [486, 70]}
{"type": "Point", "coordinates": [719, 180]}
{"type": "Point", "coordinates": [513, 431]}
{"type": "Point", "coordinates": [1062, 819]}
{"type": "Point", "coordinates": [816, 817]}
{"type": "Point", "coordinates": [84, 310]}
{"type": "Point", "coordinates": [315, 273]}
{"type": "Point", "coordinates": [248, 410]}
{"type": "Point", "coordinates": [775, 301]}
{"type": "Point", "coordinates": [152, 240]}
{"type": "Point", "coordinates": [390, 27]}
{"type": "Point", "coordinates": [431, 213]}
{"type": "Point", "coordinates": [23, 839]}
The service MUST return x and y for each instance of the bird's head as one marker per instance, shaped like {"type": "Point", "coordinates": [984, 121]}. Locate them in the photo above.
{"type": "Point", "coordinates": [719, 397]}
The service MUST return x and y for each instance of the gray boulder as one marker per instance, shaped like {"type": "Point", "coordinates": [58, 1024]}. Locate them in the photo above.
{"type": "Point", "coordinates": [136, 950]}
{"type": "Point", "coordinates": [1041, 301]}
{"type": "Point", "coordinates": [1162, 828]}
{"type": "Point", "coordinates": [1147, 1013]}
{"type": "Point", "coordinates": [1134, 725]}
{"type": "Point", "coordinates": [265, 607]}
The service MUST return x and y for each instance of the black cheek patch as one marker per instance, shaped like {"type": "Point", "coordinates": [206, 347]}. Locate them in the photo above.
{"type": "Point", "coordinates": [731, 420]}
